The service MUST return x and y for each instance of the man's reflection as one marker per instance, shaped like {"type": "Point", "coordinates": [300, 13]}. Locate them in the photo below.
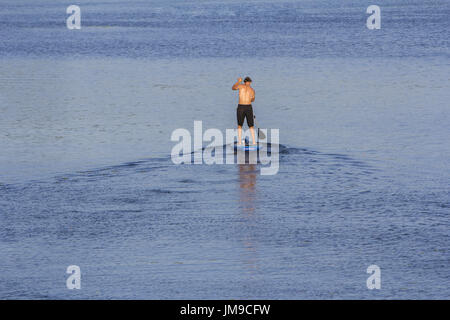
{"type": "Point", "coordinates": [247, 184]}
{"type": "Point", "coordinates": [247, 192]}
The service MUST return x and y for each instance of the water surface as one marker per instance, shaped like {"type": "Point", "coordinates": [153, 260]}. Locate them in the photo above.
{"type": "Point", "coordinates": [86, 176]}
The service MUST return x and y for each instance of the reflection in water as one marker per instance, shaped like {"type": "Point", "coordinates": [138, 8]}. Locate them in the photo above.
{"type": "Point", "coordinates": [247, 195]}
{"type": "Point", "coordinates": [247, 184]}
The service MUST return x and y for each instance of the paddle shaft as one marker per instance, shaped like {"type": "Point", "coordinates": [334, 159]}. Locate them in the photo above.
{"type": "Point", "coordinates": [260, 133]}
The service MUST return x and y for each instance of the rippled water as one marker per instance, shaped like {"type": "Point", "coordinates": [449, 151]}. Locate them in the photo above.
{"type": "Point", "coordinates": [86, 176]}
{"type": "Point", "coordinates": [184, 29]}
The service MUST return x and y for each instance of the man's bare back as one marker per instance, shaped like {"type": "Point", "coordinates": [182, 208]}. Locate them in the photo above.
{"type": "Point", "coordinates": [246, 92]}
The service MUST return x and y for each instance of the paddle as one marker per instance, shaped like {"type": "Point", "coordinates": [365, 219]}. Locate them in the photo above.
{"type": "Point", "coordinates": [261, 134]}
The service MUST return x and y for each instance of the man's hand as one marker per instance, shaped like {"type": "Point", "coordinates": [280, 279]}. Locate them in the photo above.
{"type": "Point", "coordinates": [236, 85]}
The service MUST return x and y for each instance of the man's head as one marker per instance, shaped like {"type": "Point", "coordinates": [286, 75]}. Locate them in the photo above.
{"type": "Point", "coordinates": [247, 80]}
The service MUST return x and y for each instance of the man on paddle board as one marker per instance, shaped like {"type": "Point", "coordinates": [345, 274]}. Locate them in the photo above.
{"type": "Point", "coordinates": [244, 109]}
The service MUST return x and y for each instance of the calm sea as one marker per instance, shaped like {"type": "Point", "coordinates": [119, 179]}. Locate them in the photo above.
{"type": "Point", "coordinates": [86, 176]}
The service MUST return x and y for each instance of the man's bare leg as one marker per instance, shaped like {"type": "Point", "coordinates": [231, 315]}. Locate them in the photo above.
{"type": "Point", "coordinates": [239, 134]}
{"type": "Point", "coordinates": [252, 131]}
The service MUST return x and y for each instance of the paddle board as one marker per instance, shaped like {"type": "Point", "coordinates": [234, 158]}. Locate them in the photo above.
{"type": "Point", "coordinates": [247, 147]}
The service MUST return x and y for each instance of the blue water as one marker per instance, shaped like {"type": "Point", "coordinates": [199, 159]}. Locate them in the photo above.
{"type": "Point", "coordinates": [86, 176]}
{"type": "Point", "coordinates": [203, 29]}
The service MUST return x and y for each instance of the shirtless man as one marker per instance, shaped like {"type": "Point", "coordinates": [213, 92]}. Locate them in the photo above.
{"type": "Point", "coordinates": [244, 109]}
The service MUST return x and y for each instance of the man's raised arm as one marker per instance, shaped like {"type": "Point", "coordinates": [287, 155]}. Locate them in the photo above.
{"type": "Point", "coordinates": [236, 85]}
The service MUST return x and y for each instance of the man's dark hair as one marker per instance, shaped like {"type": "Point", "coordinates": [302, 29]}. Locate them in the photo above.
{"type": "Point", "coordinates": [247, 79]}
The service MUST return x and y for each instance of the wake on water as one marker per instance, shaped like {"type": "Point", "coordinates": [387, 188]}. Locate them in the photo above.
{"type": "Point", "coordinates": [285, 155]}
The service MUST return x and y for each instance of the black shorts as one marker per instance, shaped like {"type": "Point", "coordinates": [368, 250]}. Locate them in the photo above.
{"type": "Point", "coordinates": [245, 111]}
